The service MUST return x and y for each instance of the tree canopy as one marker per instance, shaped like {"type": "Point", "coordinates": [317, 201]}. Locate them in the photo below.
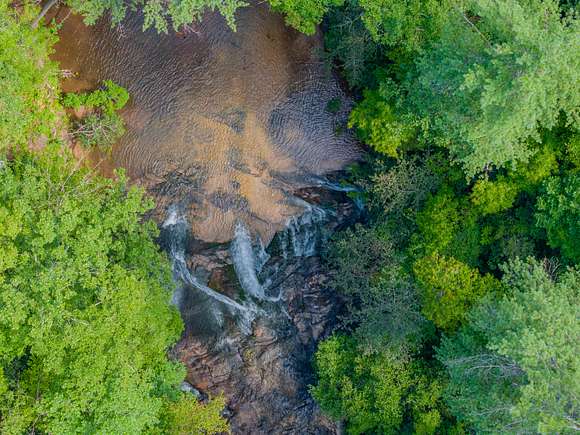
{"type": "Point", "coordinates": [471, 112]}
{"type": "Point", "coordinates": [29, 98]}
{"type": "Point", "coordinates": [86, 320]}
{"type": "Point", "coordinates": [515, 367]}
{"type": "Point", "coordinates": [304, 15]}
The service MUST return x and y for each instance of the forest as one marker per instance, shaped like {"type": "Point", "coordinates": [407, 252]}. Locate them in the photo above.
{"type": "Point", "coordinates": [460, 284]}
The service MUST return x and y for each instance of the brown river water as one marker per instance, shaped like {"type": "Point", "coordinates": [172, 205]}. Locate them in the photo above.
{"type": "Point", "coordinates": [227, 124]}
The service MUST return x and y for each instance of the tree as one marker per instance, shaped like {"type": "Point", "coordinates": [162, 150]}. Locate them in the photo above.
{"type": "Point", "coordinates": [404, 25]}
{"type": "Point", "coordinates": [85, 314]}
{"type": "Point", "coordinates": [188, 416]}
{"type": "Point", "coordinates": [348, 43]}
{"type": "Point", "coordinates": [448, 225]}
{"type": "Point", "coordinates": [558, 213]}
{"type": "Point", "coordinates": [157, 14]}
{"type": "Point", "coordinates": [374, 392]}
{"type": "Point", "coordinates": [514, 368]}
{"type": "Point", "coordinates": [304, 15]}
{"type": "Point", "coordinates": [357, 255]}
{"type": "Point", "coordinates": [378, 125]}
{"type": "Point", "coordinates": [29, 108]}
{"type": "Point", "coordinates": [501, 70]}
{"type": "Point", "coordinates": [387, 315]}
{"type": "Point", "coordinates": [101, 126]}
{"type": "Point", "coordinates": [449, 289]}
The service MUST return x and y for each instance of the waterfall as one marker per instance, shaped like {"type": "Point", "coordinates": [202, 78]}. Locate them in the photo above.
{"type": "Point", "coordinates": [244, 259]}
{"type": "Point", "coordinates": [337, 187]}
{"type": "Point", "coordinates": [303, 234]}
{"type": "Point", "coordinates": [249, 259]}
{"type": "Point", "coordinates": [177, 227]}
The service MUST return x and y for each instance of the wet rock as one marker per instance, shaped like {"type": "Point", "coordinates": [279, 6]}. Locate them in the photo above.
{"type": "Point", "coordinates": [186, 387]}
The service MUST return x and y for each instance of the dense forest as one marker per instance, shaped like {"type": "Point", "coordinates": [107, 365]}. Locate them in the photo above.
{"type": "Point", "coordinates": [461, 284]}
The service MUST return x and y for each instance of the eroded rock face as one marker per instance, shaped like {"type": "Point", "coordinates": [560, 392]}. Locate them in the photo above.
{"type": "Point", "coordinates": [265, 374]}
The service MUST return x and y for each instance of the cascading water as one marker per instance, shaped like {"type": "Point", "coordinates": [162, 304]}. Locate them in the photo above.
{"type": "Point", "coordinates": [244, 259]}
{"type": "Point", "coordinates": [337, 187]}
{"type": "Point", "coordinates": [303, 234]}
{"type": "Point", "coordinates": [176, 225]}
{"type": "Point", "coordinates": [249, 259]}
{"type": "Point", "coordinates": [302, 237]}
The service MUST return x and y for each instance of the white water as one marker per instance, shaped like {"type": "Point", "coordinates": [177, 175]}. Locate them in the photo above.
{"type": "Point", "coordinates": [244, 260]}
{"type": "Point", "coordinates": [249, 259]}
{"type": "Point", "coordinates": [177, 224]}
{"type": "Point", "coordinates": [302, 236]}
{"type": "Point", "coordinates": [337, 187]}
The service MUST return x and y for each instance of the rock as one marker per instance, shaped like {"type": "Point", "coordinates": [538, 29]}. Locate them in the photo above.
{"type": "Point", "coordinates": [186, 387]}
{"type": "Point", "coordinates": [265, 375]}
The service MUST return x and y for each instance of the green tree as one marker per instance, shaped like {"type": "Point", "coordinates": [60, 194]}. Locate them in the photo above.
{"type": "Point", "coordinates": [448, 225]}
{"type": "Point", "coordinates": [157, 14]}
{"type": "Point", "coordinates": [558, 213]}
{"type": "Point", "coordinates": [378, 124]}
{"type": "Point", "coordinates": [304, 15]}
{"type": "Point", "coordinates": [374, 393]}
{"type": "Point", "coordinates": [501, 70]}
{"type": "Point", "coordinates": [515, 367]}
{"type": "Point", "coordinates": [449, 289]}
{"type": "Point", "coordinates": [29, 108]}
{"type": "Point", "coordinates": [85, 314]}
{"type": "Point", "coordinates": [406, 25]}
{"type": "Point", "coordinates": [188, 416]}
{"type": "Point", "coordinates": [102, 126]}
{"type": "Point", "coordinates": [387, 315]}
{"type": "Point", "coordinates": [349, 44]}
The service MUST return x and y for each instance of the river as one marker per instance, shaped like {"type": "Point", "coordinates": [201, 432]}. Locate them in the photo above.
{"type": "Point", "coordinates": [225, 123]}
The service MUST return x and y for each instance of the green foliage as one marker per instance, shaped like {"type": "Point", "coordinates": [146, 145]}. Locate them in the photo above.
{"type": "Point", "coordinates": [359, 254]}
{"type": "Point", "coordinates": [109, 98]}
{"type": "Point", "coordinates": [388, 316]}
{"type": "Point", "coordinates": [558, 213]}
{"type": "Point", "coordinates": [379, 126]}
{"type": "Point", "coordinates": [401, 191]}
{"type": "Point", "coordinates": [373, 392]}
{"type": "Point", "coordinates": [103, 125]}
{"type": "Point", "coordinates": [29, 80]}
{"type": "Point", "coordinates": [350, 45]}
{"type": "Point", "coordinates": [100, 130]}
{"type": "Point", "coordinates": [449, 289]}
{"type": "Point", "coordinates": [304, 15]}
{"type": "Point", "coordinates": [406, 25]}
{"type": "Point", "coordinates": [498, 73]}
{"type": "Point", "coordinates": [573, 150]}
{"type": "Point", "coordinates": [492, 197]}
{"type": "Point", "coordinates": [85, 319]}
{"type": "Point", "coordinates": [448, 225]}
{"type": "Point", "coordinates": [157, 14]}
{"type": "Point", "coordinates": [449, 89]}
{"type": "Point", "coordinates": [187, 416]}
{"type": "Point", "coordinates": [515, 367]}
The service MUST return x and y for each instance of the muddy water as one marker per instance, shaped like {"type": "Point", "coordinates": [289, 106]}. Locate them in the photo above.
{"type": "Point", "coordinates": [224, 123]}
